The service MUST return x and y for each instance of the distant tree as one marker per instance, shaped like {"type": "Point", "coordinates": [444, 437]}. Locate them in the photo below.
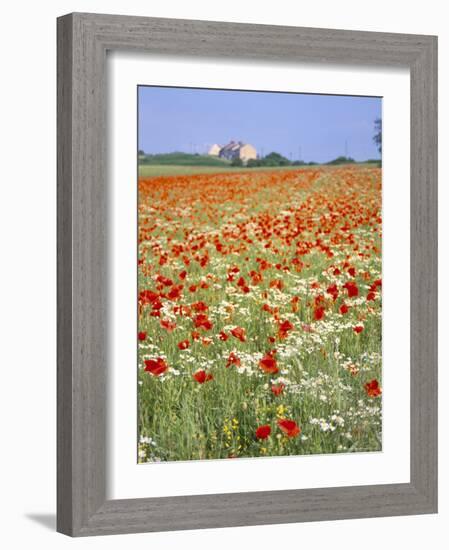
{"type": "Point", "coordinates": [252, 163]}
{"type": "Point", "coordinates": [141, 152]}
{"type": "Point", "coordinates": [275, 159]}
{"type": "Point", "coordinates": [377, 138]}
{"type": "Point", "coordinates": [236, 161]}
{"type": "Point", "coordinates": [341, 160]}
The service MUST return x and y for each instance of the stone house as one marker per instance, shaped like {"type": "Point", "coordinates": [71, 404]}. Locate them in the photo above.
{"type": "Point", "coordinates": [234, 149]}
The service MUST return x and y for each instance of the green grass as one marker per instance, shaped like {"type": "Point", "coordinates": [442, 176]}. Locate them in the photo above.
{"type": "Point", "coordinates": [154, 170]}
{"type": "Point", "coordinates": [158, 170]}
{"type": "Point", "coordinates": [183, 159]}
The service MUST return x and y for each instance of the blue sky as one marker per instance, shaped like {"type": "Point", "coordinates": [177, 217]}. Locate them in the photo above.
{"type": "Point", "coordinates": [313, 127]}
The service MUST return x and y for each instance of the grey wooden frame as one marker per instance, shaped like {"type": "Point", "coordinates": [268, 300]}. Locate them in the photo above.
{"type": "Point", "coordinates": [83, 40]}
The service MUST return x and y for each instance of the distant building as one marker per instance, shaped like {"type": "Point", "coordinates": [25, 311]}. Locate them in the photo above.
{"type": "Point", "coordinates": [234, 149]}
{"type": "Point", "coordinates": [214, 151]}
{"type": "Point", "coordinates": [247, 152]}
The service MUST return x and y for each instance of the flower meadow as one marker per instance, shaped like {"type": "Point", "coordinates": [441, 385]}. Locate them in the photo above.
{"type": "Point", "coordinates": [259, 313]}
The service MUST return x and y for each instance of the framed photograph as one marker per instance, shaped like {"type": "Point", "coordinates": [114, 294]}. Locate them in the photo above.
{"type": "Point", "coordinates": [247, 274]}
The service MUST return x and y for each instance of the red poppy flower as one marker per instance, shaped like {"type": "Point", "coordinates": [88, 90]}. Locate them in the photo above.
{"type": "Point", "coordinates": [263, 432]}
{"type": "Point", "coordinates": [155, 366]}
{"type": "Point", "coordinates": [295, 304]}
{"type": "Point", "coordinates": [319, 313]}
{"type": "Point", "coordinates": [142, 336]}
{"type": "Point", "coordinates": [156, 304]}
{"type": "Point", "coordinates": [202, 321]}
{"type": "Point", "coordinates": [333, 291]}
{"type": "Point", "coordinates": [377, 283]}
{"type": "Point", "coordinates": [344, 309]}
{"type": "Point", "coordinates": [239, 333]}
{"type": "Point", "coordinates": [284, 328]}
{"type": "Point", "coordinates": [183, 275]}
{"type": "Point", "coordinates": [372, 388]}
{"type": "Point", "coordinates": [233, 360]}
{"type": "Point", "coordinates": [199, 307]}
{"type": "Point", "coordinates": [184, 344]}
{"type": "Point", "coordinates": [256, 277]}
{"type": "Point", "coordinates": [201, 376]}
{"type": "Point", "coordinates": [223, 336]}
{"type": "Point", "coordinates": [195, 335]}
{"type": "Point", "coordinates": [277, 283]}
{"type": "Point", "coordinates": [241, 282]}
{"type": "Point", "coordinates": [289, 427]}
{"type": "Point", "coordinates": [168, 325]}
{"type": "Point", "coordinates": [358, 329]}
{"type": "Point", "coordinates": [147, 296]}
{"type": "Point", "coordinates": [351, 271]}
{"type": "Point", "coordinates": [175, 293]}
{"type": "Point", "coordinates": [352, 289]}
{"type": "Point", "coordinates": [164, 280]}
{"type": "Point", "coordinates": [370, 296]}
{"type": "Point", "coordinates": [277, 389]}
{"type": "Point", "coordinates": [268, 364]}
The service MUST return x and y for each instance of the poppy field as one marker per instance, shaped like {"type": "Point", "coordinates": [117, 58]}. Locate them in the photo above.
{"type": "Point", "coordinates": [259, 313]}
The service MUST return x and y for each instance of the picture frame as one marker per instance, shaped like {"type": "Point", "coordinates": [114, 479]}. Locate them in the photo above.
{"type": "Point", "coordinates": [83, 41]}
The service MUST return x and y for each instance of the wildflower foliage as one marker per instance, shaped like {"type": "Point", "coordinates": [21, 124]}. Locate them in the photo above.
{"type": "Point", "coordinates": [259, 313]}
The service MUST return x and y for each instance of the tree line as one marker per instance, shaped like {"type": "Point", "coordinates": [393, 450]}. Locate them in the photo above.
{"type": "Point", "coordinates": [276, 159]}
